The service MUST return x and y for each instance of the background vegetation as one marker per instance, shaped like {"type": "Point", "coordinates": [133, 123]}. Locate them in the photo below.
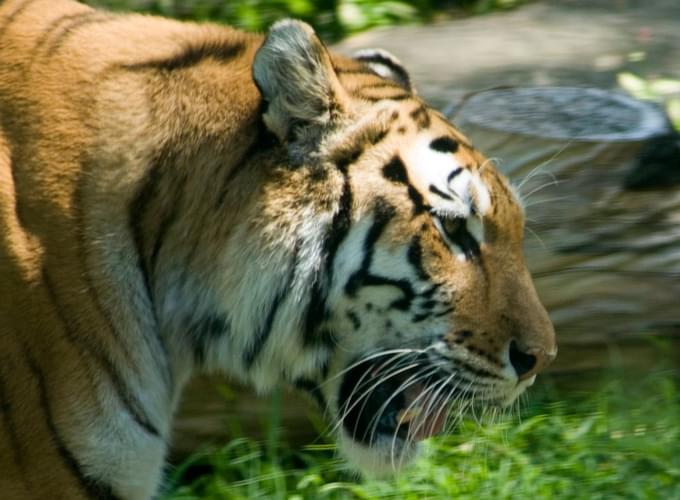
{"type": "Point", "coordinates": [331, 18]}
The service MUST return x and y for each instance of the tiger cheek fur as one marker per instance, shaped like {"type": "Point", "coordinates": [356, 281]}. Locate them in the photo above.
{"type": "Point", "coordinates": [179, 198]}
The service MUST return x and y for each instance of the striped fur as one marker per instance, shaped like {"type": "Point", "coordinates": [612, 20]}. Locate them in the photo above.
{"type": "Point", "coordinates": [178, 197]}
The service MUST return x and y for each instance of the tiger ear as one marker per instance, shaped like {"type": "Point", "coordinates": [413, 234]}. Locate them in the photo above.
{"type": "Point", "coordinates": [385, 65]}
{"type": "Point", "coordinates": [294, 73]}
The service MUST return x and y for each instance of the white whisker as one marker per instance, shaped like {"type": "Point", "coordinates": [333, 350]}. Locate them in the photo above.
{"type": "Point", "coordinates": [371, 357]}
{"type": "Point", "coordinates": [367, 392]}
{"type": "Point", "coordinates": [548, 200]}
{"type": "Point", "coordinates": [414, 379]}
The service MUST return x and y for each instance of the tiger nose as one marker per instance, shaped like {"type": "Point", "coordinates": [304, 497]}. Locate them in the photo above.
{"type": "Point", "coordinates": [527, 362]}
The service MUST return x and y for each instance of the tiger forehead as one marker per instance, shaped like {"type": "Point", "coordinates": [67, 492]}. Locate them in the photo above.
{"type": "Point", "coordinates": [433, 151]}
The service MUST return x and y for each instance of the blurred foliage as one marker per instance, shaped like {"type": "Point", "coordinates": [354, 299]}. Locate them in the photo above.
{"type": "Point", "coordinates": [619, 441]}
{"type": "Point", "coordinates": [661, 90]}
{"type": "Point", "coordinates": [331, 18]}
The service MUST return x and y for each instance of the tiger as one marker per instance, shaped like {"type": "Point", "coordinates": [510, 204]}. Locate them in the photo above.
{"type": "Point", "coordinates": [180, 198]}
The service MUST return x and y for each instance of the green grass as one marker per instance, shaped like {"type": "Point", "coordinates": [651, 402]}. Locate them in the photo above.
{"type": "Point", "coordinates": [622, 441]}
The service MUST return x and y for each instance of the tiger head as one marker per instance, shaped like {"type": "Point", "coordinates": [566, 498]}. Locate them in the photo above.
{"type": "Point", "coordinates": [419, 299]}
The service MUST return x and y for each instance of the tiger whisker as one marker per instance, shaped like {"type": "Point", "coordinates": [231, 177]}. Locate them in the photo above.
{"type": "Point", "coordinates": [366, 393]}
{"type": "Point", "coordinates": [409, 440]}
{"type": "Point", "coordinates": [535, 234]}
{"type": "Point", "coordinates": [405, 385]}
{"type": "Point", "coordinates": [369, 358]}
{"type": "Point", "coordinates": [396, 360]}
{"type": "Point", "coordinates": [548, 200]}
{"type": "Point", "coordinates": [433, 401]}
{"type": "Point", "coordinates": [545, 163]}
{"type": "Point", "coordinates": [526, 197]}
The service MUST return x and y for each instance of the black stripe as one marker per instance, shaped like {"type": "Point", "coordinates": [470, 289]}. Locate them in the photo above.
{"type": "Point", "coordinates": [92, 487]}
{"type": "Point", "coordinates": [415, 258]}
{"type": "Point", "coordinates": [131, 404]}
{"type": "Point", "coordinates": [55, 24]}
{"type": "Point", "coordinates": [264, 144]}
{"type": "Point", "coordinates": [6, 414]}
{"type": "Point", "coordinates": [383, 213]}
{"type": "Point", "coordinates": [403, 303]}
{"type": "Point", "coordinates": [148, 245]}
{"type": "Point", "coordinates": [429, 304]}
{"type": "Point", "coordinates": [421, 116]}
{"type": "Point", "coordinates": [317, 312]}
{"type": "Point", "coordinates": [204, 332]}
{"type": "Point", "coordinates": [455, 173]}
{"type": "Point", "coordinates": [421, 317]}
{"type": "Point", "coordinates": [354, 319]}
{"type": "Point", "coordinates": [360, 91]}
{"type": "Point", "coordinates": [93, 291]}
{"type": "Point", "coordinates": [145, 196]}
{"type": "Point", "coordinates": [13, 16]}
{"type": "Point", "coordinates": [444, 144]}
{"type": "Point", "coordinates": [430, 291]}
{"type": "Point", "coordinates": [444, 312]}
{"type": "Point", "coordinates": [339, 228]}
{"type": "Point", "coordinates": [395, 171]}
{"type": "Point", "coordinates": [400, 96]}
{"type": "Point", "coordinates": [364, 278]}
{"type": "Point", "coordinates": [263, 333]}
{"type": "Point", "coordinates": [377, 58]}
{"type": "Point", "coordinates": [356, 71]}
{"type": "Point", "coordinates": [313, 389]}
{"type": "Point", "coordinates": [193, 55]}
{"type": "Point", "coordinates": [175, 195]}
{"type": "Point", "coordinates": [345, 156]}
{"type": "Point", "coordinates": [379, 85]}
{"type": "Point", "coordinates": [167, 220]}
{"type": "Point", "coordinates": [428, 313]}
{"type": "Point", "coordinates": [467, 243]}
{"type": "Point", "coordinates": [90, 18]}
{"type": "Point", "coordinates": [435, 190]}
{"type": "Point", "coordinates": [419, 205]}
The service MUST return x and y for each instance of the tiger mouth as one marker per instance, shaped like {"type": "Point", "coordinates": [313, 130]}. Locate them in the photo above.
{"type": "Point", "coordinates": [381, 400]}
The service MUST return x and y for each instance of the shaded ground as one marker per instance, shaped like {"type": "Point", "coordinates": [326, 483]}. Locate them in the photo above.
{"type": "Point", "coordinates": [574, 42]}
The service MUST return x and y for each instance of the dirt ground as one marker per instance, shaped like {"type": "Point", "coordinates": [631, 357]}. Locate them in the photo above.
{"type": "Point", "coordinates": [551, 42]}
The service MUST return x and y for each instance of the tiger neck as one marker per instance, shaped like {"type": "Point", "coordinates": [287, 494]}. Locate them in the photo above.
{"type": "Point", "coordinates": [236, 271]}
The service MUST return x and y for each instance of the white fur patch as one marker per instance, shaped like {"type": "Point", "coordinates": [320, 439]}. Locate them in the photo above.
{"type": "Point", "coordinates": [384, 459]}
{"type": "Point", "coordinates": [431, 170]}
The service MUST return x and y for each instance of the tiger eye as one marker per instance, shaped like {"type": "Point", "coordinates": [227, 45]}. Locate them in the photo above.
{"type": "Point", "coordinates": [451, 225]}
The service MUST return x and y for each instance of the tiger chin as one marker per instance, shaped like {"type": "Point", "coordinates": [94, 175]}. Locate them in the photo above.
{"type": "Point", "coordinates": [179, 198]}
